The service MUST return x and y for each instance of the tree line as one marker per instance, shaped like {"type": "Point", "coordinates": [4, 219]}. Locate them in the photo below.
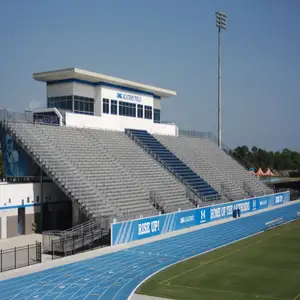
{"type": "Point", "coordinates": [260, 158]}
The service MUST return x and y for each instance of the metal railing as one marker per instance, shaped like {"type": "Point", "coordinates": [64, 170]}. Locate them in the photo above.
{"type": "Point", "coordinates": [233, 154]}
{"type": "Point", "coordinates": [211, 137]}
{"type": "Point", "coordinates": [178, 176]}
{"type": "Point", "coordinates": [77, 232]}
{"type": "Point", "coordinates": [247, 189]}
{"type": "Point", "coordinates": [19, 257]}
{"type": "Point", "coordinates": [157, 201]}
{"type": "Point", "coordinates": [7, 120]}
{"type": "Point", "coordinates": [70, 163]}
{"type": "Point", "coordinates": [59, 246]}
{"type": "Point", "coordinates": [226, 192]}
{"type": "Point", "coordinates": [92, 136]}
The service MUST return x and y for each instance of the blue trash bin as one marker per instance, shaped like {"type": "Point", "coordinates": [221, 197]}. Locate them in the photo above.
{"type": "Point", "coordinates": [234, 213]}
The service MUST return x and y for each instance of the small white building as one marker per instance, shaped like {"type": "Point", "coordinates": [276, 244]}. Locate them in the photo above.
{"type": "Point", "coordinates": [86, 99]}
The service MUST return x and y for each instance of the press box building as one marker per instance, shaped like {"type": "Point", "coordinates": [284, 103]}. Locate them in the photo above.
{"type": "Point", "coordinates": [100, 101]}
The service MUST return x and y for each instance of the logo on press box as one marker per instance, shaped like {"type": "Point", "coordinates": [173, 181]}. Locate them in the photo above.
{"type": "Point", "coordinates": [129, 97]}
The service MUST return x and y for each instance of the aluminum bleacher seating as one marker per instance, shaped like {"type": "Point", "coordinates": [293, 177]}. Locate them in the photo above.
{"type": "Point", "coordinates": [174, 164]}
{"type": "Point", "coordinates": [149, 174]}
{"type": "Point", "coordinates": [215, 166]}
{"type": "Point", "coordinates": [85, 170]}
{"type": "Point", "coordinates": [109, 174]}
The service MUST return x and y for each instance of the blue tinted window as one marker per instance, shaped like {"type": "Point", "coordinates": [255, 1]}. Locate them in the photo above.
{"type": "Point", "coordinates": [127, 109]}
{"type": "Point", "coordinates": [148, 112]}
{"type": "Point", "coordinates": [140, 111]}
{"type": "Point", "coordinates": [113, 107]}
{"type": "Point", "coordinates": [106, 106]}
{"type": "Point", "coordinates": [63, 102]}
{"type": "Point", "coordinates": [83, 105]}
{"type": "Point", "coordinates": [156, 115]}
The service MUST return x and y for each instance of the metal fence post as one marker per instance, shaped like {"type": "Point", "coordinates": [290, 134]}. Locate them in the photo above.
{"type": "Point", "coordinates": [36, 251]}
{"type": "Point", "coordinates": [101, 238]}
{"type": "Point", "coordinates": [28, 254]}
{"type": "Point", "coordinates": [40, 252]}
{"type": "Point", "coordinates": [15, 257]}
{"type": "Point", "coordinates": [1, 259]}
{"type": "Point", "coordinates": [52, 249]}
{"type": "Point", "coordinates": [92, 240]}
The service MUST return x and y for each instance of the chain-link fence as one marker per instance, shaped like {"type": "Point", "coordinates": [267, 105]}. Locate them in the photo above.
{"type": "Point", "coordinates": [19, 257]}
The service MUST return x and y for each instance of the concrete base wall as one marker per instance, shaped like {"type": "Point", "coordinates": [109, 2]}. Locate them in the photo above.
{"type": "Point", "coordinates": [12, 226]}
{"type": "Point", "coordinates": [9, 225]}
{"type": "Point", "coordinates": [29, 221]}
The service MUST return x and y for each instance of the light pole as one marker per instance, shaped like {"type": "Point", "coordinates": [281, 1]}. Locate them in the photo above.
{"type": "Point", "coordinates": [221, 20]}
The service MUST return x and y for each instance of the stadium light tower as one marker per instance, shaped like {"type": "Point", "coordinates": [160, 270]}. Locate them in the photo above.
{"type": "Point", "coordinates": [221, 20]}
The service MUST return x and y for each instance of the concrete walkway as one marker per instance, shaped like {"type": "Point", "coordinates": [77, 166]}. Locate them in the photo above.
{"type": "Point", "coordinates": [19, 241]}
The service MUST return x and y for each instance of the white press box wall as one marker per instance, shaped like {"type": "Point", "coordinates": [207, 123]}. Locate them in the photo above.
{"type": "Point", "coordinates": [109, 121]}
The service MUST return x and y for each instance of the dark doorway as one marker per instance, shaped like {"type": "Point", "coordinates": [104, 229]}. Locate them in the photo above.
{"type": "Point", "coordinates": [21, 220]}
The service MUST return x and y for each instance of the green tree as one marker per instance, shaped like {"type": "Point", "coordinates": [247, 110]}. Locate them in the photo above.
{"type": "Point", "coordinates": [261, 158]}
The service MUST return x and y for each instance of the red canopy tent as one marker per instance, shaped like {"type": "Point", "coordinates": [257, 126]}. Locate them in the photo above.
{"type": "Point", "coordinates": [260, 172]}
{"type": "Point", "coordinates": [269, 173]}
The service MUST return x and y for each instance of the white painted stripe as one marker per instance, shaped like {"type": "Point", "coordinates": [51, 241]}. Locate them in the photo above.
{"type": "Point", "coordinates": [128, 233]}
{"type": "Point", "coordinates": [119, 234]}
{"type": "Point", "coordinates": [165, 223]}
{"type": "Point", "coordinates": [123, 233]}
{"type": "Point", "coordinates": [172, 223]}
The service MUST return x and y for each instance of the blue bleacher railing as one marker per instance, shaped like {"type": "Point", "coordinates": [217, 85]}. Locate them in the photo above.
{"type": "Point", "coordinates": [174, 165]}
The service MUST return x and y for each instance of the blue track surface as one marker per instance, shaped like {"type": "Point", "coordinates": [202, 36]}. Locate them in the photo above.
{"type": "Point", "coordinates": [116, 275]}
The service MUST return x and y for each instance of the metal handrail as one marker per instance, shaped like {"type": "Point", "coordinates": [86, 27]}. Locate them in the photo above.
{"type": "Point", "coordinates": [95, 139]}
{"type": "Point", "coordinates": [202, 197]}
{"type": "Point", "coordinates": [211, 137]}
{"type": "Point", "coordinates": [70, 165]}
{"type": "Point", "coordinates": [37, 160]}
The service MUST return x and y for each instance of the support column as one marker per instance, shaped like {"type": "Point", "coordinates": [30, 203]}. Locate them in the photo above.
{"type": "Point", "coordinates": [3, 227]}
{"type": "Point", "coordinates": [75, 214]}
{"type": "Point", "coordinates": [42, 200]}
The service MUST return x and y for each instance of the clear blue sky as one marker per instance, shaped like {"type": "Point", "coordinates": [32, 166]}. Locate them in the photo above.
{"type": "Point", "coordinates": [172, 44]}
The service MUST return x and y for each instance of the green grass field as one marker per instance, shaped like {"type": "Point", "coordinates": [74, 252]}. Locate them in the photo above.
{"type": "Point", "coordinates": [266, 266]}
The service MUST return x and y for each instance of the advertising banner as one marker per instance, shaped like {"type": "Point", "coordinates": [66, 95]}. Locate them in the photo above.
{"type": "Point", "coordinates": [125, 232]}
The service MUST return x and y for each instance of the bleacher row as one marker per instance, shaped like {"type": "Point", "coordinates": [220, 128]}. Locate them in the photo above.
{"type": "Point", "coordinates": [109, 174]}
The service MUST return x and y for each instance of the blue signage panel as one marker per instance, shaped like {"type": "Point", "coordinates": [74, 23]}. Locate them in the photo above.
{"type": "Point", "coordinates": [16, 161]}
{"type": "Point", "coordinates": [125, 232]}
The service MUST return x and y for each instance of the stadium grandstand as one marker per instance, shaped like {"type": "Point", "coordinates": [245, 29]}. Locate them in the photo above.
{"type": "Point", "coordinates": [97, 166]}
{"type": "Point", "coordinates": [99, 153]}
